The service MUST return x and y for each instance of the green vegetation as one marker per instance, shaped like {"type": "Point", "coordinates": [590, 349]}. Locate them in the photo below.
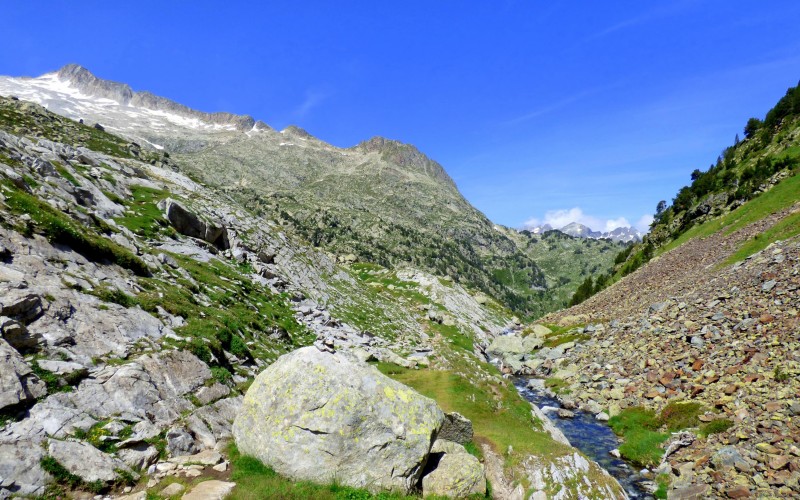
{"type": "Point", "coordinates": [114, 295]}
{"type": "Point", "coordinates": [681, 415]}
{"type": "Point", "coordinates": [499, 415]}
{"type": "Point", "coordinates": [642, 443]}
{"type": "Point", "coordinates": [100, 438]}
{"type": "Point", "coordinates": [26, 119]}
{"type": "Point", "coordinates": [143, 217]}
{"type": "Point", "coordinates": [557, 385]}
{"type": "Point", "coordinates": [779, 375]}
{"type": "Point", "coordinates": [781, 196]}
{"type": "Point", "coordinates": [233, 312]}
{"type": "Point", "coordinates": [662, 481]}
{"type": "Point", "coordinates": [63, 172]}
{"type": "Point", "coordinates": [643, 431]}
{"type": "Point", "coordinates": [60, 228]}
{"type": "Point", "coordinates": [255, 481]}
{"type": "Point", "coordinates": [54, 382]}
{"type": "Point", "coordinates": [65, 478]}
{"type": "Point", "coordinates": [715, 427]}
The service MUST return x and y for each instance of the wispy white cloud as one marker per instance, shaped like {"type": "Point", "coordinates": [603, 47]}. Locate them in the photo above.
{"type": "Point", "coordinates": [313, 99]}
{"type": "Point", "coordinates": [561, 217]}
{"type": "Point", "coordinates": [550, 107]}
{"type": "Point", "coordinates": [663, 10]}
{"type": "Point", "coordinates": [643, 224]}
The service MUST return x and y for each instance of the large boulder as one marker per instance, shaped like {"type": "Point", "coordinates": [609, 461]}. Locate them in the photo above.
{"type": "Point", "coordinates": [322, 416]}
{"type": "Point", "coordinates": [457, 474]}
{"type": "Point", "coordinates": [456, 428]}
{"type": "Point", "coordinates": [189, 224]}
{"type": "Point", "coordinates": [507, 344]}
{"type": "Point", "coordinates": [87, 462]}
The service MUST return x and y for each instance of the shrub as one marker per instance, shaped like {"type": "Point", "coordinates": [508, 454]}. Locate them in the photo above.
{"type": "Point", "coordinates": [681, 415]}
{"type": "Point", "coordinates": [221, 374]}
{"type": "Point", "coordinates": [715, 426]}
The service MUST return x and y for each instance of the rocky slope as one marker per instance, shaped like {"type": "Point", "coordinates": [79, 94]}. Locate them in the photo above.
{"type": "Point", "coordinates": [691, 327]}
{"type": "Point", "coordinates": [138, 305]}
{"type": "Point", "coordinates": [380, 201]}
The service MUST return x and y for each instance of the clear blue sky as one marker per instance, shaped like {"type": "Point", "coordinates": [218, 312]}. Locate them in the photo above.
{"type": "Point", "coordinates": [533, 107]}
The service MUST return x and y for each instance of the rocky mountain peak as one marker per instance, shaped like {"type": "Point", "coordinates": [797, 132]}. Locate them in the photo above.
{"type": "Point", "coordinates": [83, 80]}
{"type": "Point", "coordinates": [404, 155]}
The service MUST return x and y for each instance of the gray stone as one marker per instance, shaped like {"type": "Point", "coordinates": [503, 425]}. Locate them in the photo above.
{"type": "Point", "coordinates": [172, 490]}
{"type": "Point", "coordinates": [205, 457]}
{"type": "Point", "coordinates": [16, 334]}
{"type": "Point", "coordinates": [455, 473]}
{"type": "Point", "coordinates": [189, 224]}
{"type": "Point", "coordinates": [180, 442]}
{"type": "Point", "coordinates": [86, 461]}
{"type": "Point", "coordinates": [210, 490]}
{"type": "Point", "coordinates": [730, 456]}
{"type": "Point", "coordinates": [321, 416]}
{"type": "Point", "coordinates": [138, 455]}
{"type": "Point", "coordinates": [18, 384]}
{"type": "Point", "coordinates": [456, 428]}
{"type": "Point", "coordinates": [507, 344]}
{"type": "Point", "coordinates": [20, 472]}
{"type": "Point", "coordinates": [21, 305]}
{"type": "Point", "coordinates": [206, 395]}
{"type": "Point", "coordinates": [61, 367]}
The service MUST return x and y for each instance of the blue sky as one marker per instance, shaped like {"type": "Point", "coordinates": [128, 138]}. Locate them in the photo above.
{"type": "Point", "coordinates": [540, 111]}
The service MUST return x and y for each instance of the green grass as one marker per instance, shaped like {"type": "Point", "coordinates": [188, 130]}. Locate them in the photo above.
{"type": "Point", "coordinates": [62, 170]}
{"type": "Point", "coordinates": [781, 196]}
{"type": "Point", "coordinates": [144, 217]}
{"type": "Point", "coordinates": [643, 447]}
{"type": "Point", "coordinates": [784, 229]}
{"type": "Point", "coordinates": [388, 368]}
{"type": "Point", "coordinates": [638, 428]}
{"type": "Point", "coordinates": [663, 481]}
{"type": "Point", "coordinates": [715, 427]}
{"type": "Point", "coordinates": [256, 481]}
{"type": "Point", "coordinates": [455, 336]}
{"type": "Point", "coordinates": [96, 434]}
{"type": "Point", "coordinates": [239, 312]}
{"type": "Point", "coordinates": [641, 429]}
{"type": "Point", "coordinates": [57, 227]}
{"type": "Point", "coordinates": [681, 415]}
{"type": "Point", "coordinates": [499, 415]}
{"type": "Point", "coordinates": [54, 382]}
{"type": "Point", "coordinates": [557, 385]}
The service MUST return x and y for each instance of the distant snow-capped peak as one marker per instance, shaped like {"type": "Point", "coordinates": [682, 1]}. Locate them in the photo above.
{"type": "Point", "coordinates": [578, 230]}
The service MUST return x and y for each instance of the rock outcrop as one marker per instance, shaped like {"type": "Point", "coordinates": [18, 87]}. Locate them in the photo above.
{"type": "Point", "coordinates": [188, 223]}
{"type": "Point", "coordinates": [322, 416]}
{"type": "Point", "coordinates": [455, 473]}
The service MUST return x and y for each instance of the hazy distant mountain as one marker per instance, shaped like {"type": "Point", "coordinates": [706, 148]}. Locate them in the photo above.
{"type": "Point", "coordinates": [578, 230]}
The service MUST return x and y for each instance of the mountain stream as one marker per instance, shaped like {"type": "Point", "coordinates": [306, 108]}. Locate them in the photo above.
{"type": "Point", "coordinates": [594, 438]}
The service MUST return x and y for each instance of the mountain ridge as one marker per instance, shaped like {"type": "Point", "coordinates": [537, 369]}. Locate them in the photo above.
{"type": "Point", "coordinates": [625, 234]}
{"type": "Point", "coordinates": [380, 201]}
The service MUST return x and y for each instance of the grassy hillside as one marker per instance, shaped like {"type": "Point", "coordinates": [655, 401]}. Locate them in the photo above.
{"type": "Point", "coordinates": [750, 180]}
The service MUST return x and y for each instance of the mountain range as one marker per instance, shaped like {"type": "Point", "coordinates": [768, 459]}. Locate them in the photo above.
{"type": "Point", "coordinates": [156, 262]}
{"type": "Point", "coordinates": [578, 230]}
{"type": "Point", "coordinates": [380, 201]}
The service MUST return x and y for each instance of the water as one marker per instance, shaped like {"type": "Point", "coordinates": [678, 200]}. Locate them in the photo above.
{"type": "Point", "coordinates": [592, 437]}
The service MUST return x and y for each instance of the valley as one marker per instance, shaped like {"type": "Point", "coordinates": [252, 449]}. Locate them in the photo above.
{"type": "Point", "coordinates": [172, 280]}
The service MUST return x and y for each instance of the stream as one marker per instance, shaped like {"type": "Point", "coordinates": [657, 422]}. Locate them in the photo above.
{"type": "Point", "coordinates": [594, 438]}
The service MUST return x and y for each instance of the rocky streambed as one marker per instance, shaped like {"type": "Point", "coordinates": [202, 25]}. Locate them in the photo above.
{"type": "Point", "coordinates": [590, 435]}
